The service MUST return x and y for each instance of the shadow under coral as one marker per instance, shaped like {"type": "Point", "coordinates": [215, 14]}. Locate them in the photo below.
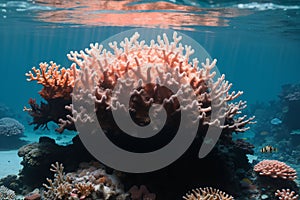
{"type": "Point", "coordinates": [219, 169]}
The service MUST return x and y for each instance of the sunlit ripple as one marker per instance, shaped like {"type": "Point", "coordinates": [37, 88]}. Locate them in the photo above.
{"type": "Point", "coordinates": [126, 13]}
{"type": "Point", "coordinates": [184, 15]}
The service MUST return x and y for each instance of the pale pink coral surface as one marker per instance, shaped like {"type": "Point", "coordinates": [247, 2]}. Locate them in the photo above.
{"type": "Point", "coordinates": [275, 169]}
{"type": "Point", "coordinates": [286, 194]}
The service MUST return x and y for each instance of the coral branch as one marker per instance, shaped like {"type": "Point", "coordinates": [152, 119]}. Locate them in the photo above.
{"type": "Point", "coordinates": [149, 73]}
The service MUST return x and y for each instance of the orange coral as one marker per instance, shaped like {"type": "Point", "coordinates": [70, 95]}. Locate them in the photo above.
{"type": "Point", "coordinates": [286, 194]}
{"type": "Point", "coordinates": [57, 82]}
{"type": "Point", "coordinates": [207, 193]}
{"type": "Point", "coordinates": [275, 169]}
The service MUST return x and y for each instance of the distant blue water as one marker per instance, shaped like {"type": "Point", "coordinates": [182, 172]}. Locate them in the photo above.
{"type": "Point", "coordinates": [257, 44]}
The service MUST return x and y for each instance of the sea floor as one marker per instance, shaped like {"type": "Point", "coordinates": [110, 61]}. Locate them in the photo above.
{"type": "Point", "coordinates": [10, 162]}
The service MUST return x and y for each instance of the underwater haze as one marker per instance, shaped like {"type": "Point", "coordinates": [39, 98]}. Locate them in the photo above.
{"type": "Point", "coordinates": [256, 43]}
{"type": "Point", "coordinates": [257, 47]}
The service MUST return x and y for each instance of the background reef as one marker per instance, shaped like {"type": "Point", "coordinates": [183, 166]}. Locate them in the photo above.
{"type": "Point", "coordinates": [225, 172]}
{"type": "Point", "coordinates": [257, 45]}
{"type": "Point", "coordinates": [223, 168]}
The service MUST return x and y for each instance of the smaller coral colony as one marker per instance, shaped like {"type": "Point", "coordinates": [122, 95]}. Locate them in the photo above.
{"type": "Point", "coordinates": [147, 67]}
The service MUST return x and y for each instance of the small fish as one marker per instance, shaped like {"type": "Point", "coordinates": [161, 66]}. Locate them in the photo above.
{"type": "Point", "coordinates": [276, 121]}
{"type": "Point", "coordinates": [247, 180]}
{"type": "Point", "coordinates": [263, 133]}
{"type": "Point", "coordinates": [268, 149]}
{"type": "Point", "coordinates": [25, 109]}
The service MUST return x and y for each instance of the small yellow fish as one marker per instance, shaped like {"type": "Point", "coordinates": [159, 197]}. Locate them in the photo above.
{"type": "Point", "coordinates": [268, 149]}
{"type": "Point", "coordinates": [264, 133]}
{"type": "Point", "coordinates": [247, 180]}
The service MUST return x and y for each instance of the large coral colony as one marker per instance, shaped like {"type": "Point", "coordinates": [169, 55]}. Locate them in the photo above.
{"type": "Point", "coordinates": [96, 72]}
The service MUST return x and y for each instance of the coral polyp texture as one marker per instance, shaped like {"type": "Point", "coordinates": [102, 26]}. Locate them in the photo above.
{"type": "Point", "coordinates": [207, 193]}
{"type": "Point", "coordinates": [7, 194]}
{"type": "Point", "coordinates": [286, 194]}
{"type": "Point", "coordinates": [275, 169]}
{"type": "Point", "coordinates": [10, 127]}
{"type": "Point", "coordinates": [145, 70]}
{"type": "Point", "coordinates": [89, 182]}
{"type": "Point", "coordinates": [58, 82]}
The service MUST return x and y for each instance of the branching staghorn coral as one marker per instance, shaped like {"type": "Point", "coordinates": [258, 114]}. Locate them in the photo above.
{"type": "Point", "coordinates": [60, 187]}
{"type": "Point", "coordinates": [146, 70]}
{"type": "Point", "coordinates": [83, 184]}
{"type": "Point", "coordinates": [286, 194]}
{"type": "Point", "coordinates": [149, 74]}
{"type": "Point", "coordinates": [207, 193]}
{"type": "Point", "coordinates": [58, 82]}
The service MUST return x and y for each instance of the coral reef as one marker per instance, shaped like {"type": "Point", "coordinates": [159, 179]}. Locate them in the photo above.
{"type": "Point", "coordinates": [144, 71]}
{"type": "Point", "coordinates": [286, 194]}
{"type": "Point", "coordinates": [36, 167]}
{"type": "Point", "coordinates": [90, 182]}
{"type": "Point", "coordinates": [58, 83]}
{"type": "Point", "coordinates": [208, 193]}
{"type": "Point", "coordinates": [11, 132]}
{"type": "Point", "coordinates": [10, 127]}
{"type": "Point", "coordinates": [7, 194]}
{"type": "Point", "coordinates": [57, 87]}
{"type": "Point", "coordinates": [61, 186]}
{"type": "Point", "coordinates": [134, 60]}
{"type": "Point", "coordinates": [282, 134]}
{"type": "Point", "coordinates": [275, 169]}
{"type": "Point", "coordinates": [274, 175]}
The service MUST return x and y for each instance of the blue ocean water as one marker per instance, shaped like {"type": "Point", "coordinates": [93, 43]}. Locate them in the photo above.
{"type": "Point", "coordinates": [256, 43]}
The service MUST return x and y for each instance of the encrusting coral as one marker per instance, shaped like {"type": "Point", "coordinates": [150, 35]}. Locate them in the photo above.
{"type": "Point", "coordinates": [275, 169]}
{"type": "Point", "coordinates": [96, 73]}
{"type": "Point", "coordinates": [207, 193]}
{"type": "Point", "coordinates": [286, 194]}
